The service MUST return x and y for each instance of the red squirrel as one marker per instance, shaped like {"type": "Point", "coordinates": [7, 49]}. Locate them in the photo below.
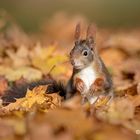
{"type": "Point", "coordinates": [90, 76]}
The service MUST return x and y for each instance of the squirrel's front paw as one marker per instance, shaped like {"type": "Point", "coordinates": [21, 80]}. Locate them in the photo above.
{"type": "Point", "coordinates": [80, 86]}
{"type": "Point", "coordinates": [97, 85]}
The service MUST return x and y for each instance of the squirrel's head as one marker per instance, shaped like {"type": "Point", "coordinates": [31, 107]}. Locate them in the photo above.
{"type": "Point", "coordinates": [82, 54]}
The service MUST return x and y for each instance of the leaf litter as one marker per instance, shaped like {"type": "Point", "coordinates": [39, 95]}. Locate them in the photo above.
{"type": "Point", "coordinates": [46, 116]}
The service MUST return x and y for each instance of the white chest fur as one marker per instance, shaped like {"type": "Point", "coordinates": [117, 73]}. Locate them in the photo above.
{"type": "Point", "coordinates": [88, 76]}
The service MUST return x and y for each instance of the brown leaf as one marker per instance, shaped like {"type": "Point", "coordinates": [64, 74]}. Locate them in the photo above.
{"type": "Point", "coordinates": [20, 57]}
{"type": "Point", "coordinates": [118, 110]}
{"type": "Point", "coordinates": [7, 132]}
{"type": "Point", "coordinates": [73, 103]}
{"type": "Point", "coordinates": [74, 120]}
{"type": "Point", "coordinates": [111, 132]}
{"type": "Point", "coordinates": [130, 89]}
{"type": "Point", "coordinates": [40, 128]}
{"type": "Point", "coordinates": [128, 40]}
{"type": "Point", "coordinates": [113, 56]}
{"type": "Point", "coordinates": [135, 100]}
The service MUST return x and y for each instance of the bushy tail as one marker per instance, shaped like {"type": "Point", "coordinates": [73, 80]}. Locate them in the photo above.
{"type": "Point", "coordinates": [19, 91]}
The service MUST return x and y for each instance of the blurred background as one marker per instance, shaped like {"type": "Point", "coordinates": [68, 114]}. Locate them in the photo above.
{"type": "Point", "coordinates": [30, 14]}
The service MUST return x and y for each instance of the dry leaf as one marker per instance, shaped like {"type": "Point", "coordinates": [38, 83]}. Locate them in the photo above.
{"type": "Point", "coordinates": [41, 116]}
{"type": "Point", "coordinates": [7, 132]}
{"type": "Point", "coordinates": [130, 89]}
{"type": "Point", "coordinates": [45, 59]}
{"type": "Point", "coordinates": [19, 58]}
{"type": "Point", "coordinates": [37, 96]}
{"type": "Point", "coordinates": [13, 74]}
{"type": "Point", "coordinates": [113, 56]}
{"type": "Point", "coordinates": [74, 120]}
{"type": "Point", "coordinates": [119, 110]}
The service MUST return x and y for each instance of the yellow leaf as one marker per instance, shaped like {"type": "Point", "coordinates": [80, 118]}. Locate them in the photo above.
{"type": "Point", "coordinates": [26, 72]}
{"type": "Point", "coordinates": [45, 59]}
{"type": "Point", "coordinates": [102, 101]}
{"type": "Point", "coordinates": [37, 96]}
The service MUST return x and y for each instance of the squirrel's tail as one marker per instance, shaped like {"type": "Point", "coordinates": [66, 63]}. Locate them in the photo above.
{"type": "Point", "coordinates": [19, 91]}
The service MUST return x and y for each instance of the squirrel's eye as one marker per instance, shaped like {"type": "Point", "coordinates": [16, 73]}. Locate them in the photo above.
{"type": "Point", "coordinates": [85, 53]}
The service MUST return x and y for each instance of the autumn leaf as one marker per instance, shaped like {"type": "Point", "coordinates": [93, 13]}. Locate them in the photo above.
{"type": "Point", "coordinates": [13, 74]}
{"type": "Point", "coordinates": [20, 57]}
{"type": "Point", "coordinates": [102, 101]}
{"type": "Point", "coordinates": [35, 97]}
{"type": "Point", "coordinates": [117, 111]}
{"type": "Point", "coordinates": [117, 56]}
{"type": "Point", "coordinates": [38, 115]}
{"type": "Point", "coordinates": [67, 118]}
{"type": "Point", "coordinates": [45, 59]}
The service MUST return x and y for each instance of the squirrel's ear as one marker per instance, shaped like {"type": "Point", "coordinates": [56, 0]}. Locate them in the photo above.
{"type": "Point", "coordinates": [91, 33]}
{"type": "Point", "coordinates": [77, 33]}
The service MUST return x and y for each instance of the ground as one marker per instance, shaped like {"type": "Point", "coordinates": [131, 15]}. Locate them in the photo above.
{"type": "Point", "coordinates": [25, 57]}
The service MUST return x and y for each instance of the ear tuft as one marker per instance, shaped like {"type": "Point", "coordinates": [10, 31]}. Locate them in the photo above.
{"type": "Point", "coordinates": [91, 33]}
{"type": "Point", "coordinates": [77, 32]}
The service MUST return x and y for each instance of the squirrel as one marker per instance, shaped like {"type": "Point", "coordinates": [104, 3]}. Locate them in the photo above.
{"type": "Point", "coordinates": [90, 76]}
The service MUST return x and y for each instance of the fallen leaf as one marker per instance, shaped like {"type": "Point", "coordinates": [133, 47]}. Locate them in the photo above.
{"type": "Point", "coordinates": [80, 127]}
{"type": "Point", "coordinates": [117, 111]}
{"type": "Point", "coordinates": [45, 59]}
{"type": "Point", "coordinates": [20, 57]}
{"type": "Point", "coordinates": [117, 56]}
{"type": "Point", "coordinates": [102, 101]}
{"type": "Point", "coordinates": [6, 130]}
{"type": "Point", "coordinates": [13, 74]}
{"type": "Point", "coordinates": [130, 89]}
{"type": "Point", "coordinates": [35, 97]}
